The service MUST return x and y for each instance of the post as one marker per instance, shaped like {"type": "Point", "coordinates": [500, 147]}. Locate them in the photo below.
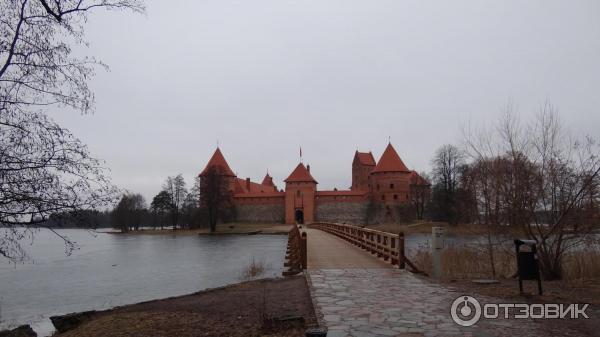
{"type": "Point", "coordinates": [303, 251]}
{"type": "Point", "coordinates": [401, 263]}
{"type": "Point", "coordinates": [437, 244]}
{"type": "Point", "coordinates": [537, 270]}
{"type": "Point", "coordinates": [517, 245]}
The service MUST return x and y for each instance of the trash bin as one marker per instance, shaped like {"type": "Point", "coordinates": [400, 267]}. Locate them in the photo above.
{"type": "Point", "coordinates": [527, 263]}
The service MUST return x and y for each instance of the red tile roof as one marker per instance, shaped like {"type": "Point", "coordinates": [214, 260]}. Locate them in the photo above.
{"type": "Point", "coordinates": [390, 161]}
{"type": "Point", "coordinates": [217, 160]}
{"type": "Point", "coordinates": [243, 186]}
{"type": "Point", "coordinates": [268, 181]}
{"type": "Point", "coordinates": [300, 174]}
{"type": "Point", "coordinates": [365, 158]}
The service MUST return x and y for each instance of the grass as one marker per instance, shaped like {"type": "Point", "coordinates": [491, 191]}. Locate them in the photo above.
{"type": "Point", "coordinates": [582, 265]}
{"type": "Point", "coordinates": [253, 270]}
{"type": "Point", "coordinates": [468, 262]}
{"type": "Point", "coordinates": [474, 262]}
{"type": "Point", "coordinates": [424, 227]}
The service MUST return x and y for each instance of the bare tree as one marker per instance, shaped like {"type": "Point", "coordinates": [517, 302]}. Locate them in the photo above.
{"type": "Point", "coordinates": [567, 170]}
{"type": "Point", "coordinates": [175, 187]}
{"type": "Point", "coordinates": [215, 195]}
{"type": "Point", "coordinates": [191, 206]}
{"type": "Point", "coordinates": [420, 193]}
{"type": "Point", "coordinates": [447, 165]}
{"type": "Point", "coordinates": [43, 168]}
{"type": "Point", "coordinates": [540, 178]}
{"type": "Point", "coordinates": [36, 67]}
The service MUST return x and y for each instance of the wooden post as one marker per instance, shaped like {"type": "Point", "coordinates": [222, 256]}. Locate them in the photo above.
{"type": "Point", "coordinates": [303, 251]}
{"type": "Point", "coordinates": [401, 259]}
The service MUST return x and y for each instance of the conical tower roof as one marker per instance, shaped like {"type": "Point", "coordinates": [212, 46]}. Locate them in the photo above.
{"type": "Point", "coordinates": [300, 174]}
{"type": "Point", "coordinates": [218, 160]}
{"type": "Point", "coordinates": [390, 161]}
{"type": "Point", "coordinates": [268, 180]}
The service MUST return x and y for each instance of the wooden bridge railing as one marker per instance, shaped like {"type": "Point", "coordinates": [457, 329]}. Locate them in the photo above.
{"type": "Point", "coordinates": [296, 254]}
{"type": "Point", "coordinates": [388, 246]}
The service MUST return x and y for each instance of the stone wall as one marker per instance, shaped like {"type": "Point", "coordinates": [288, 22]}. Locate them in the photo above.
{"type": "Point", "coordinates": [348, 212]}
{"type": "Point", "coordinates": [260, 213]}
{"type": "Point", "coordinates": [395, 213]}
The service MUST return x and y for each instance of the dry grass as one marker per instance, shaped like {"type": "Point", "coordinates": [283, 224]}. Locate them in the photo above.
{"type": "Point", "coordinates": [474, 262]}
{"type": "Point", "coordinates": [424, 227]}
{"type": "Point", "coordinates": [253, 270]}
{"type": "Point", "coordinates": [228, 311]}
{"type": "Point", "coordinates": [584, 265]}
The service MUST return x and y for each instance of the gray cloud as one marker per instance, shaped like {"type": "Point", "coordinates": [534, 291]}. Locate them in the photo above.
{"type": "Point", "coordinates": [264, 77]}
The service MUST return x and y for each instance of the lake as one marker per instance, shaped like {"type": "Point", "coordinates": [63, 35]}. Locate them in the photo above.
{"type": "Point", "coordinates": [109, 270]}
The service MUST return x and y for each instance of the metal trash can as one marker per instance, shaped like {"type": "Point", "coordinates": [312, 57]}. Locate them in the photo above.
{"type": "Point", "coordinates": [527, 263]}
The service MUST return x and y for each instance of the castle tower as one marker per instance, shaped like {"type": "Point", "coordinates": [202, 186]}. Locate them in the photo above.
{"type": "Point", "coordinates": [219, 164]}
{"type": "Point", "coordinates": [362, 165]}
{"type": "Point", "coordinates": [300, 191]}
{"type": "Point", "coordinates": [268, 181]}
{"type": "Point", "coordinates": [390, 179]}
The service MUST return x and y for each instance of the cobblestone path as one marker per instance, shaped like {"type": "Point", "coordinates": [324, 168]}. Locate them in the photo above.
{"type": "Point", "coordinates": [392, 302]}
{"type": "Point", "coordinates": [374, 302]}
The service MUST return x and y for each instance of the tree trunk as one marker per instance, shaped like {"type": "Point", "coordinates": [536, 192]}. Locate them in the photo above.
{"type": "Point", "coordinates": [491, 251]}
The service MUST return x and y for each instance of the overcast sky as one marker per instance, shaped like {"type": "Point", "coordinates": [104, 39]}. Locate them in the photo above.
{"type": "Point", "coordinates": [265, 77]}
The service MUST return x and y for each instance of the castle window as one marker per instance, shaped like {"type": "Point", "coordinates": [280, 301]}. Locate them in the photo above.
{"type": "Point", "coordinates": [298, 193]}
{"type": "Point", "coordinates": [378, 187]}
{"type": "Point", "coordinates": [407, 197]}
{"type": "Point", "coordinates": [395, 196]}
{"type": "Point", "coordinates": [383, 197]}
{"type": "Point", "coordinates": [392, 186]}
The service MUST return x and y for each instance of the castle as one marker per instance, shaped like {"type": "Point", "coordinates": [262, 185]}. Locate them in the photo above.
{"type": "Point", "coordinates": [379, 189]}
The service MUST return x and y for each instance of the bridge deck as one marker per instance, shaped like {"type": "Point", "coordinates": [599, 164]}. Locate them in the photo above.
{"type": "Point", "coordinates": [327, 251]}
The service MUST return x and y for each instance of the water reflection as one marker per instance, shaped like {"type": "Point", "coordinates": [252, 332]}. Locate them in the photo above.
{"type": "Point", "coordinates": [110, 270]}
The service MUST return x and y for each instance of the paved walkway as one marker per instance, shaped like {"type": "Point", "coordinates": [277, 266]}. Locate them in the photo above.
{"type": "Point", "coordinates": [356, 299]}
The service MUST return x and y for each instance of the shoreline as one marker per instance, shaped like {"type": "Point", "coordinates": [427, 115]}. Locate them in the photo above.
{"type": "Point", "coordinates": [271, 306]}
{"type": "Point", "coordinates": [230, 229]}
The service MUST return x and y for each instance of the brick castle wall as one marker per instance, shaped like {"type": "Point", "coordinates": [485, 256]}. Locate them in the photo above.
{"type": "Point", "coordinates": [353, 212]}
{"type": "Point", "coordinates": [260, 212]}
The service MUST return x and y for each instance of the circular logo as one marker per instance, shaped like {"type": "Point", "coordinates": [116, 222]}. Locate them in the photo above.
{"type": "Point", "coordinates": [465, 310]}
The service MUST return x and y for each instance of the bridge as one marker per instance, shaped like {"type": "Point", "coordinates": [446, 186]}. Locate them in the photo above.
{"type": "Point", "coordinates": [359, 289]}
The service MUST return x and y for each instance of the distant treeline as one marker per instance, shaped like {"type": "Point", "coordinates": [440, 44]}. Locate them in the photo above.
{"type": "Point", "coordinates": [173, 207]}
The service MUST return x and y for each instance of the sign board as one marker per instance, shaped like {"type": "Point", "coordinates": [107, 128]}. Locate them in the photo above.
{"type": "Point", "coordinates": [438, 236]}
